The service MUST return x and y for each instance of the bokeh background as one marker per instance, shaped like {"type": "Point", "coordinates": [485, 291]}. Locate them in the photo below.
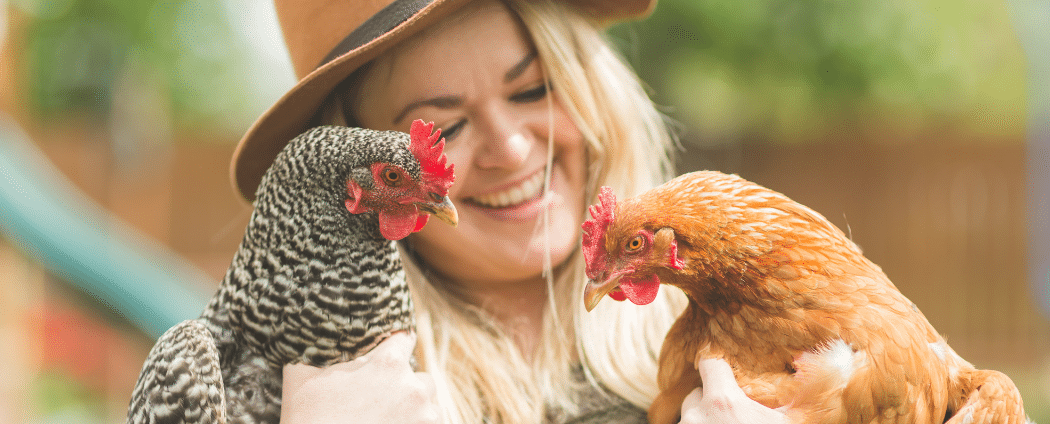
{"type": "Point", "coordinates": [921, 127]}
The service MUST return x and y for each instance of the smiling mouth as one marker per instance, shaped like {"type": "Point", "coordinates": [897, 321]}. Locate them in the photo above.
{"type": "Point", "coordinates": [528, 190]}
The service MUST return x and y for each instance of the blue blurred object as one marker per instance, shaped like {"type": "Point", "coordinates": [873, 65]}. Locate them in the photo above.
{"type": "Point", "coordinates": [42, 213]}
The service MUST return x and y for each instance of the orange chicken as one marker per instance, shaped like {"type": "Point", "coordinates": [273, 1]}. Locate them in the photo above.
{"type": "Point", "coordinates": [804, 319]}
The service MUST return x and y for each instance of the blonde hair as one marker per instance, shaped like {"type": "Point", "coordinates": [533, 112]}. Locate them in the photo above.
{"type": "Point", "coordinates": [479, 370]}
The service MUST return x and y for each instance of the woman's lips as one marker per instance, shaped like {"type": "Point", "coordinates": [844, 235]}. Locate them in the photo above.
{"type": "Point", "coordinates": [527, 190]}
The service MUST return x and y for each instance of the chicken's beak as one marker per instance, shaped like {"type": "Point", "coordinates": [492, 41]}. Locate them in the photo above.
{"type": "Point", "coordinates": [443, 209]}
{"type": "Point", "coordinates": [595, 291]}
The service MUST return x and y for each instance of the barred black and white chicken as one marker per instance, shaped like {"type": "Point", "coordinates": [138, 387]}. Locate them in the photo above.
{"type": "Point", "coordinates": [316, 280]}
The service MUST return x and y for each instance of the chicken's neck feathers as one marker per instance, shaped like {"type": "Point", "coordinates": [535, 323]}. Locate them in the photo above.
{"type": "Point", "coordinates": [744, 244]}
{"type": "Point", "coordinates": [295, 265]}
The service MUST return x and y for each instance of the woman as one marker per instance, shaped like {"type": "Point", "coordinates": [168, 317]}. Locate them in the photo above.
{"type": "Point", "coordinates": [537, 112]}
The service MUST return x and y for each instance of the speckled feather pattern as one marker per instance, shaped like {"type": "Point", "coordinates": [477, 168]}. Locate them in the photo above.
{"type": "Point", "coordinates": [798, 311]}
{"type": "Point", "coordinates": [311, 283]}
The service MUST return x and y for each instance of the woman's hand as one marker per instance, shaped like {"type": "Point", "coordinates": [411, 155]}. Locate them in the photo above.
{"type": "Point", "coordinates": [378, 387]}
{"type": "Point", "coordinates": [721, 401]}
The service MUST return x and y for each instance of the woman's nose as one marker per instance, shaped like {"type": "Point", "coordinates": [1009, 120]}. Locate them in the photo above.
{"type": "Point", "coordinates": [506, 141]}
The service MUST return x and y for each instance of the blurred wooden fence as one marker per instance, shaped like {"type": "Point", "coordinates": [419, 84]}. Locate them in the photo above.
{"type": "Point", "coordinates": [946, 222]}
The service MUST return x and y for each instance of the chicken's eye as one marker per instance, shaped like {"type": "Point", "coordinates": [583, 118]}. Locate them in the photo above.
{"type": "Point", "coordinates": [391, 177]}
{"type": "Point", "coordinates": [635, 243]}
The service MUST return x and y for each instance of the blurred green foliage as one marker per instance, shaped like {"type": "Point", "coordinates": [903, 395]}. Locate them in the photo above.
{"type": "Point", "coordinates": [801, 70]}
{"type": "Point", "coordinates": [60, 398]}
{"type": "Point", "coordinates": [86, 55]}
{"type": "Point", "coordinates": [761, 70]}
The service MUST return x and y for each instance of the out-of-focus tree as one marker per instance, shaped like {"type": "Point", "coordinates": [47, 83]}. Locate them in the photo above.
{"type": "Point", "coordinates": [804, 70]}
{"type": "Point", "coordinates": [116, 92]}
{"type": "Point", "coordinates": [182, 63]}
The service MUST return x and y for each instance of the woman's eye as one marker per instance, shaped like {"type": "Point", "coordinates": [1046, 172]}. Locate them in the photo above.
{"type": "Point", "coordinates": [531, 95]}
{"type": "Point", "coordinates": [451, 131]}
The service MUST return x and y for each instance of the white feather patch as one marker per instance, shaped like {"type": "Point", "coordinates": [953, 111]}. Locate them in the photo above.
{"type": "Point", "coordinates": [829, 367]}
{"type": "Point", "coordinates": [938, 349]}
{"type": "Point", "coordinates": [968, 418]}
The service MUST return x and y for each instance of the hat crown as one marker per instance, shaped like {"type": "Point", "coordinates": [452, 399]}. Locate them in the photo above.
{"type": "Point", "coordinates": [313, 28]}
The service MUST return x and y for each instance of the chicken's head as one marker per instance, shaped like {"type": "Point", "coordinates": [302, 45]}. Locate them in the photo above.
{"type": "Point", "coordinates": [624, 256]}
{"type": "Point", "coordinates": [405, 189]}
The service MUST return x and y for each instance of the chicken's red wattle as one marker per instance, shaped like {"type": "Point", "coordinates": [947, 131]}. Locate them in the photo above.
{"type": "Point", "coordinates": [641, 292]}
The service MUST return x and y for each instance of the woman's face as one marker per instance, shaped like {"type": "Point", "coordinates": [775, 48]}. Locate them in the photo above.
{"type": "Point", "coordinates": [477, 77]}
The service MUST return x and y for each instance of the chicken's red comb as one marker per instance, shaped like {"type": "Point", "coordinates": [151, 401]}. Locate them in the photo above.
{"type": "Point", "coordinates": [429, 150]}
{"type": "Point", "coordinates": [594, 230]}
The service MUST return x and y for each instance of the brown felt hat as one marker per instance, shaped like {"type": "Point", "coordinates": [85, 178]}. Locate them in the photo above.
{"type": "Point", "coordinates": [329, 39]}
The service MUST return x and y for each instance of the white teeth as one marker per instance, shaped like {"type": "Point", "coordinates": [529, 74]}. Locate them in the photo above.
{"type": "Point", "coordinates": [527, 190]}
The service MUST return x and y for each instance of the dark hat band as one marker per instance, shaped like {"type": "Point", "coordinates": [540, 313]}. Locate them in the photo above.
{"type": "Point", "coordinates": [382, 22]}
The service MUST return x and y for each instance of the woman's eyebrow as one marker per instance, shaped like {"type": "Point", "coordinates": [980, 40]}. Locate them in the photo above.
{"type": "Point", "coordinates": [520, 67]}
{"type": "Point", "coordinates": [442, 102]}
